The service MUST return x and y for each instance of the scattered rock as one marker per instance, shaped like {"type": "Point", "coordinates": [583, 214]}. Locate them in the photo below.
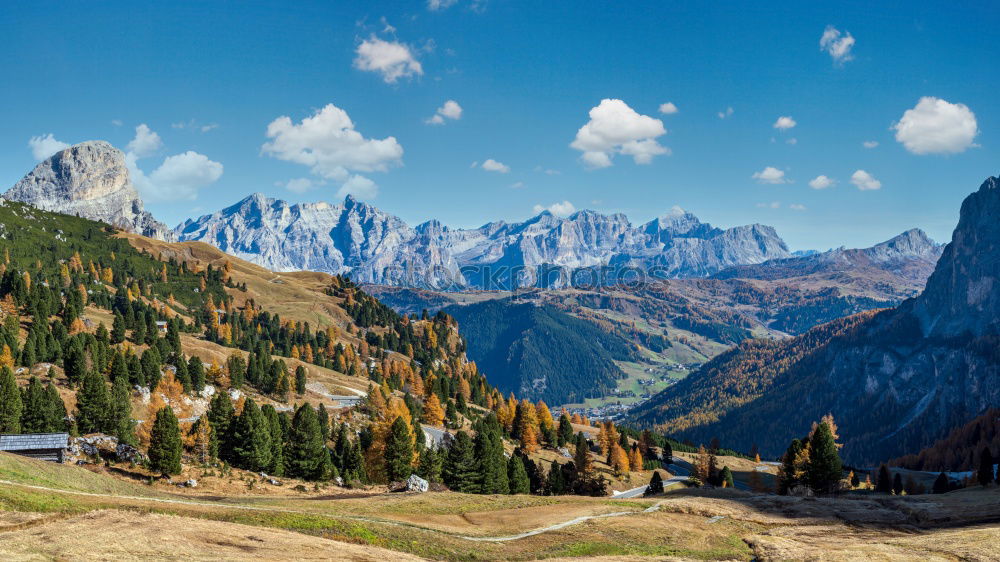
{"type": "Point", "coordinates": [416, 484]}
{"type": "Point", "coordinates": [192, 483]}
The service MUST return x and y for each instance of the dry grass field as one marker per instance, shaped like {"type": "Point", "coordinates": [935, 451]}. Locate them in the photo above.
{"type": "Point", "coordinates": [66, 512]}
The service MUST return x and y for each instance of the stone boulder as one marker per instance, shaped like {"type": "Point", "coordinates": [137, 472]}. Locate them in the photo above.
{"type": "Point", "coordinates": [416, 484]}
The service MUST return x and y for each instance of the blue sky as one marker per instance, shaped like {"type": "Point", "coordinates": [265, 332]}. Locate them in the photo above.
{"type": "Point", "coordinates": [209, 80]}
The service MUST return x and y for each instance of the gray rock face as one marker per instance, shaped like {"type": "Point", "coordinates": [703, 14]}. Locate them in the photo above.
{"type": "Point", "coordinates": [91, 180]}
{"type": "Point", "coordinates": [374, 247]}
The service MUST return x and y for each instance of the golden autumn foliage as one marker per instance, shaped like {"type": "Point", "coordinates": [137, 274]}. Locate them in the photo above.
{"type": "Point", "coordinates": [433, 412]}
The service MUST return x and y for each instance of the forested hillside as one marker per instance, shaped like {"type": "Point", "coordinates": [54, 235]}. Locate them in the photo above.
{"type": "Point", "coordinates": [540, 352]}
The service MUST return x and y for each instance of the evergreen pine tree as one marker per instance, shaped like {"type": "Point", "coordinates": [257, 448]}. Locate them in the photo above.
{"type": "Point", "coordinates": [555, 483]}
{"type": "Point", "coordinates": [399, 451]}
{"type": "Point", "coordinates": [251, 439]}
{"type": "Point", "coordinates": [10, 402]}
{"type": "Point", "coordinates": [165, 443]}
{"type": "Point", "coordinates": [75, 361]}
{"type": "Point", "coordinates": [323, 418]}
{"type": "Point", "coordinates": [307, 455]}
{"type": "Point", "coordinates": [120, 414]}
{"type": "Point", "coordinates": [300, 380]}
{"type": "Point", "coordinates": [655, 485]}
{"type": "Point", "coordinates": [55, 411]}
{"type": "Point", "coordinates": [92, 403]}
{"type": "Point", "coordinates": [459, 472]}
{"type": "Point", "coordinates": [517, 476]}
{"type": "Point", "coordinates": [197, 372]}
{"type": "Point", "coordinates": [941, 484]}
{"type": "Point", "coordinates": [726, 477]}
{"type": "Point", "coordinates": [786, 474]}
{"type": "Point", "coordinates": [34, 407]}
{"type": "Point", "coordinates": [825, 468]}
{"type": "Point", "coordinates": [118, 329]}
{"type": "Point", "coordinates": [581, 458]}
{"type": "Point", "coordinates": [883, 483]}
{"type": "Point", "coordinates": [489, 453]}
{"type": "Point", "coordinates": [220, 414]}
{"type": "Point", "coordinates": [277, 463]}
{"type": "Point", "coordinates": [668, 453]}
{"type": "Point", "coordinates": [430, 464]}
{"type": "Point", "coordinates": [985, 473]}
{"type": "Point", "coordinates": [897, 484]}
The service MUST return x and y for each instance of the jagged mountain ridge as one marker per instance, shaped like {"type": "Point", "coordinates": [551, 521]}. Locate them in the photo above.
{"type": "Point", "coordinates": [895, 382]}
{"type": "Point", "coordinates": [90, 179]}
{"type": "Point", "coordinates": [375, 247]}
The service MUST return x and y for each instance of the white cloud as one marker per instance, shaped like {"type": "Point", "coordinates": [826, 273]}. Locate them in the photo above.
{"type": "Point", "coordinates": [770, 174]}
{"type": "Point", "coordinates": [298, 185]}
{"type": "Point", "coordinates": [563, 209]}
{"type": "Point", "coordinates": [668, 108]}
{"type": "Point", "coordinates": [491, 165]}
{"type": "Point", "coordinates": [838, 45]}
{"type": "Point", "coordinates": [329, 144]}
{"type": "Point", "coordinates": [392, 59]}
{"type": "Point", "coordinates": [865, 181]}
{"type": "Point", "coordinates": [116, 122]}
{"type": "Point", "coordinates": [358, 186]}
{"type": "Point", "coordinates": [450, 110]}
{"type": "Point", "coordinates": [797, 207]}
{"type": "Point", "coordinates": [792, 141]}
{"type": "Point", "coordinates": [822, 182]}
{"type": "Point", "coordinates": [517, 185]}
{"type": "Point", "coordinates": [44, 146]}
{"type": "Point", "coordinates": [784, 123]}
{"type": "Point", "coordinates": [727, 113]}
{"type": "Point", "coordinates": [435, 5]}
{"type": "Point", "coordinates": [771, 205]}
{"type": "Point", "coordinates": [869, 144]}
{"type": "Point", "coordinates": [193, 124]}
{"type": "Point", "coordinates": [935, 126]}
{"type": "Point", "coordinates": [145, 143]}
{"type": "Point", "coordinates": [614, 127]}
{"type": "Point", "coordinates": [179, 176]}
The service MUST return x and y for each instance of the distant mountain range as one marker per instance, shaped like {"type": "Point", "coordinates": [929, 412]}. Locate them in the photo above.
{"type": "Point", "coordinates": [895, 380]}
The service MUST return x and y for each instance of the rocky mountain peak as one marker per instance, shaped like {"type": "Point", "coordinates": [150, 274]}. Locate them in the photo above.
{"type": "Point", "coordinates": [963, 293]}
{"type": "Point", "coordinates": [89, 179]}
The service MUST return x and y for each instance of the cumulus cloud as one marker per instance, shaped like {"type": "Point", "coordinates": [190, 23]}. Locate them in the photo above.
{"type": "Point", "coordinates": [491, 165]}
{"type": "Point", "coordinates": [44, 146]}
{"type": "Point", "coordinates": [784, 123]}
{"type": "Point", "coordinates": [770, 174]}
{"type": "Point", "coordinates": [668, 108]}
{"type": "Point", "coordinates": [614, 127]}
{"type": "Point", "coordinates": [392, 59]}
{"type": "Point", "coordinates": [329, 144]}
{"type": "Point", "coordinates": [517, 185]}
{"type": "Point", "coordinates": [797, 207]}
{"type": "Point", "coordinates": [298, 185]}
{"type": "Point", "coordinates": [935, 126]}
{"type": "Point", "coordinates": [179, 176]}
{"type": "Point", "coordinates": [865, 181]}
{"type": "Point", "coordinates": [869, 144]}
{"type": "Point", "coordinates": [359, 187]}
{"type": "Point", "coordinates": [836, 44]}
{"type": "Point", "coordinates": [435, 5]}
{"type": "Point", "coordinates": [450, 110]}
{"type": "Point", "coordinates": [561, 209]}
{"type": "Point", "coordinates": [771, 205]}
{"type": "Point", "coordinates": [821, 182]}
{"type": "Point", "coordinates": [145, 143]}
{"type": "Point", "coordinates": [728, 112]}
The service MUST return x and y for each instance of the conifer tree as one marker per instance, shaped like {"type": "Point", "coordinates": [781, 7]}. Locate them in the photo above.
{"type": "Point", "coordinates": [517, 476]}
{"type": "Point", "coordinates": [165, 443]}
{"type": "Point", "coordinates": [276, 466]}
{"type": "Point", "coordinates": [75, 361]}
{"type": "Point", "coordinates": [459, 471]}
{"type": "Point", "coordinates": [581, 458]}
{"type": "Point", "coordinates": [92, 404]}
{"type": "Point", "coordinates": [55, 411]}
{"type": "Point", "coordinates": [565, 433]}
{"type": "Point", "coordinates": [726, 477]}
{"type": "Point", "coordinates": [825, 468]}
{"type": "Point", "coordinates": [307, 455]}
{"type": "Point", "coordinates": [120, 414]}
{"type": "Point", "coordinates": [399, 451]}
{"type": "Point", "coordinates": [489, 453]}
{"type": "Point", "coordinates": [323, 419]}
{"type": "Point", "coordinates": [702, 466]}
{"type": "Point", "coordinates": [883, 483]}
{"type": "Point", "coordinates": [220, 414]}
{"type": "Point", "coordinates": [118, 329]}
{"type": "Point", "coordinates": [555, 484]}
{"type": "Point", "coordinates": [34, 407]}
{"type": "Point", "coordinates": [196, 370]}
{"type": "Point", "coordinates": [941, 484]}
{"type": "Point", "coordinates": [10, 402]}
{"type": "Point", "coordinates": [433, 413]}
{"type": "Point", "coordinates": [985, 473]}
{"type": "Point", "coordinates": [897, 484]}
{"type": "Point", "coordinates": [430, 464]}
{"type": "Point", "coordinates": [202, 440]}
{"type": "Point", "coordinates": [655, 485]}
{"type": "Point", "coordinates": [300, 380]}
{"type": "Point", "coordinates": [786, 474]}
{"type": "Point", "coordinates": [251, 439]}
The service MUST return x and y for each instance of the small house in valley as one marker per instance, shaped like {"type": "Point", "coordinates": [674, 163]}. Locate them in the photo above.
{"type": "Point", "coordinates": [42, 446]}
